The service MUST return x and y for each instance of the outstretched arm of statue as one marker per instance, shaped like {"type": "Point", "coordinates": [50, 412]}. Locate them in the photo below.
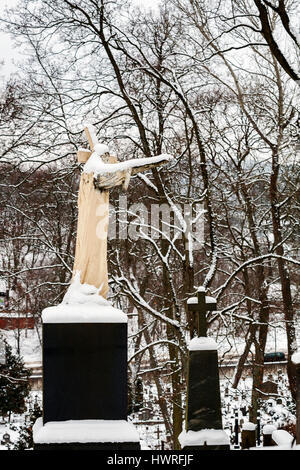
{"type": "Point", "coordinates": [115, 174]}
{"type": "Point", "coordinates": [108, 172]}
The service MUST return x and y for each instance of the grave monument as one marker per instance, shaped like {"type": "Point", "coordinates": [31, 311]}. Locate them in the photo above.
{"type": "Point", "coordinates": [85, 337]}
{"type": "Point", "coordinates": [203, 422]}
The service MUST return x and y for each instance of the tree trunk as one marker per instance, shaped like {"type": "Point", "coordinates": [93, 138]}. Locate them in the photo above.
{"type": "Point", "coordinates": [283, 274]}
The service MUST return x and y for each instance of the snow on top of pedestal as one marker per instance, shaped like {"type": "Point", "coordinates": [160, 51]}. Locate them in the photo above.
{"type": "Point", "coordinates": [268, 429]}
{"type": "Point", "coordinates": [208, 300]}
{"type": "Point", "coordinates": [97, 166]}
{"type": "Point", "coordinates": [199, 438]}
{"type": "Point", "coordinates": [247, 426]}
{"type": "Point", "coordinates": [192, 300]}
{"type": "Point", "coordinates": [83, 313]}
{"type": "Point", "coordinates": [83, 304]}
{"type": "Point", "coordinates": [296, 357]}
{"type": "Point", "coordinates": [88, 430]}
{"type": "Point", "coordinates": [202, 343]}
{"type": "Point", "coordinates": [201, 289]}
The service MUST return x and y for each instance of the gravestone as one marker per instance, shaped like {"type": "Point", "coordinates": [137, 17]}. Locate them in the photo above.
{"type": "Point", "coordinates": [248, 438]}
{"type": "Point", "coordinates": [236, 429]}
{"type": "Point", "coordinates": [203, 424]}
{"type": "Point", "coordinates": [84, 377]}
{"type": "Point", "coordinates": [268, 388]}
{"type": "Point", "coordinates": [268, 430]}
{"type": "Point", "coordinates": [85, 337]}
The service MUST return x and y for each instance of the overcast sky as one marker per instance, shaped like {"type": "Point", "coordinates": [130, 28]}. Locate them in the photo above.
{"type": "Point", "coordinates": [7, 50]}
{"type": "Point", "coordinates": [9, 54]}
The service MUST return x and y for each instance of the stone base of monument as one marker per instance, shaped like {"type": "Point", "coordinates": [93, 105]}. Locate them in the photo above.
{"type": "Point", "coordinates": [85, 435]}
{"type": "Point", "coordinates": [84, 376]}
{"type": "Point", "coordinates": [206, 439]}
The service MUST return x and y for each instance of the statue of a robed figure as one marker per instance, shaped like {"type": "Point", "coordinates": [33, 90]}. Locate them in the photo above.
{"type": "Point", "coordinates": [101, 172]}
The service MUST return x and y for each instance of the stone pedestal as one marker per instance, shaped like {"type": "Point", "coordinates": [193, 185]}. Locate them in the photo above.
{"type": "Point", "coordinates": [203, 412]}
{"type": "Point", "coordinates": [204, 403]}
{"type": "Point", "coordinates": [84, 380]}
{"type": "Point", "coordinates": [248, 438]}
{"type": "Point", "coordinates": [268, 430]}
{"type": "Point", "coordinates": [84, 371]}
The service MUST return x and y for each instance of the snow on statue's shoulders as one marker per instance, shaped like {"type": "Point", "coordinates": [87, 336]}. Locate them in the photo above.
{"type": "Point", "coordinates": [202, 343]}
{"type": "Point", "coordinates": [83, 304]}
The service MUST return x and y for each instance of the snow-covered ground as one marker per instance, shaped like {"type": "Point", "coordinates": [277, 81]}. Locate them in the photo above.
{"type": "Point", "coordinates": [13, 426]}
{"type": "Point", "coordinates": [277, 411]}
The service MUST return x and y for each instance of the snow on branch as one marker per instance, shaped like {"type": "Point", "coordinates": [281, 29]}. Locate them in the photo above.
{"type": "Point", "coordinates": [258, 259]}
{"type": "Point", "coordinates": [141, 302]}
{"type": "Point", "coordinates": [154, 343]}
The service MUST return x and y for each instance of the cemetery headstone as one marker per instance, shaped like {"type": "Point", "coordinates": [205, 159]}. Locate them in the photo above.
{"type": "Point", "coordinates": [296, 361]}
{"type": "Point", "coordinates": [248, 435]}
{"type": "Point", "coordinates": [85, 337]}
{"type": "Point", "coordinates": [203, 424]}
{"type": "Point", "coordinates": [236, 430]}
{"type": "Point", "coordinates": [258, 428]}
{"type": "Point", "coordinates": [268, 430]}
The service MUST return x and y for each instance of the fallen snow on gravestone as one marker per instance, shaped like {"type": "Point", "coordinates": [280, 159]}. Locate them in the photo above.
{"type": "Point", "coordinates": [282, 437]}
{"type": "Point", "coordinates": [204, 436]}
{"type": "Point", "coordinates": [83, 304]}
{"type": "Point", "coordinates": [202, 343]}
{"type": "Point", "coordinates": [248, 426]}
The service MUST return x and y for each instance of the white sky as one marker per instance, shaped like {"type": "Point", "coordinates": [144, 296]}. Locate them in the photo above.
{"type": "Point", "coordinates": [9, 53]}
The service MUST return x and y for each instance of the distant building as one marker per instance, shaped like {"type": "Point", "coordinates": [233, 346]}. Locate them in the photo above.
{"type": "Point", "coordinates": [15, 321]}
{"type": "Point", "coordinates": [12, 320]}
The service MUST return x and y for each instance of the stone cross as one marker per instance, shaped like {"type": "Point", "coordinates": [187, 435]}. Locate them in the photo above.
{"type": "Point", "coordinates": [203, 404]}
{"type": "Point", "coordinates": [200, 305]}
{"type": "Point", "coordinates": [101, 173]}
{"type": "Point", "coordinates": [158, 432]}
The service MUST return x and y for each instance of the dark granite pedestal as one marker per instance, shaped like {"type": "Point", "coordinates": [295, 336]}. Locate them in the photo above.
{"type": "Point", "coordinates": [204, 402]}
{"type": "Point", "coordinates": [85, 387]}
{"type": "Point", "coordinates": [84, 371]}
{"type": "Point", "coordinates": [203, 412]}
